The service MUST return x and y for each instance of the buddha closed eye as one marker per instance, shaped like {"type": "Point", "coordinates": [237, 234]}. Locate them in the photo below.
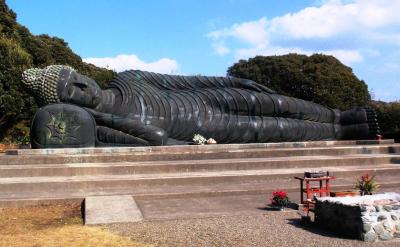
{"type": "Point", "coordinates": [80, 90]}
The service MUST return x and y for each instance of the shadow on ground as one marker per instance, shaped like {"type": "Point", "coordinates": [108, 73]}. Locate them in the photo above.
{"type": "Point", "coordinates": [313, 228]}
{"type": "Point", "coordinates": [293, 206]}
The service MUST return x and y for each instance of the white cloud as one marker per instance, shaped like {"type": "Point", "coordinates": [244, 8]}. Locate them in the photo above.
{"type": "Point", "coordinates": [221, 49]}
{"type": "Point", "coordinates": [335, 17]}
{"type": "Point", "coordinates": [329, 27]}
{"type": "Point", "coordinates": [253, 32]}
{"type": "Point", "coordinates": [126, 62]}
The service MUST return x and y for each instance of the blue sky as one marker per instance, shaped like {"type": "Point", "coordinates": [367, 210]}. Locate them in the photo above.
{"type": "Point", "coordinates": [206, 37]}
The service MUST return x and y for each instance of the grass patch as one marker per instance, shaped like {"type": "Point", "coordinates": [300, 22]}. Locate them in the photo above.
{"type": "Point", "coordinates": [53, 225]}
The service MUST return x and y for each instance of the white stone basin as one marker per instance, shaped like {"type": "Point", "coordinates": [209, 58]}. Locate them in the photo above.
{"type": "Point", "coordinates": [380, 199]}
{"type": "Point", "coordinates": [371, 218]}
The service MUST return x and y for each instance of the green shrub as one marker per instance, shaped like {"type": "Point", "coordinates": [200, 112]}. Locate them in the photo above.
{"type": "Point", "coordinates": [318, 78]}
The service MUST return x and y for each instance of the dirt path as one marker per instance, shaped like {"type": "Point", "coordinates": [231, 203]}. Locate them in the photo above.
{"type": "Point", "coordinates": [271, 228]}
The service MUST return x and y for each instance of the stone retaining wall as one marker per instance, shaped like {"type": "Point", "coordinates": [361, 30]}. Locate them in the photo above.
{"type": "Point", "coordinates": [370, 218]}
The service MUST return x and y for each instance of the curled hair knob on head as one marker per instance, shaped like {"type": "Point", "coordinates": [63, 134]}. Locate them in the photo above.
{"type": "Point", "coordinates": [43, 83]}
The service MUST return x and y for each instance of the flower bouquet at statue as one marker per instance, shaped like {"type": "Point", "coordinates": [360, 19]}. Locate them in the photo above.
{"type": "Point", "coordinates": [279, 199]}
{"type": "Point", "coordinates": [199, 139]}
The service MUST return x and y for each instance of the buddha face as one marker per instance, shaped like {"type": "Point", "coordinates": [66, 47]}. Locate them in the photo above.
{"type": "Point", "coordinates": [78, 89]}
{"type": "Point", "coordinates": [62, 84]}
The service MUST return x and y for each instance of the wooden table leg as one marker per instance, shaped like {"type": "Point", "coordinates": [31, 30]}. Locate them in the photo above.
{"type": "Point", "coordinates": [308, 189]}
{"type": "Point", "coordinates": [328, 189]}
{"type": "Point", "coordinates": [301, 192]}
{"type": "Point", "coordinates": [320, 187]}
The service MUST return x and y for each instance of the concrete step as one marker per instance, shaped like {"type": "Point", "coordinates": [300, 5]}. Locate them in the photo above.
{"type": "Point", "coordinates": [196, 148]}
{"type": "Point", "coordinates": [136, 156]}
{"type": "Point", "coordinates": [111, 209]}
{"type": "Point", "coordinates": [36, 176]}
{"type": "Point", "coordinates": [125, 168]}
{"type": "Point", "coordinates": [140, 183]}
{"type": "Point", "coordinates": [387, 183]}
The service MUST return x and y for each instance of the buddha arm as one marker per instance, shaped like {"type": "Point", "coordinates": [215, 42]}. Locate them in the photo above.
{"type": "Point", "coordinates": [149, 133]}
{"type": "Point", "coordinates": [174, 82]}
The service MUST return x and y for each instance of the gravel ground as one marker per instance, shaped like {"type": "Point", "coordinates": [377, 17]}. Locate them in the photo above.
{"type": "Point", "coordinates": [268, 229]}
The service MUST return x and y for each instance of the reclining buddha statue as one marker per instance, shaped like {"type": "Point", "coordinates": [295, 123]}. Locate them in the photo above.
{"type": "Point", "coordinates": [143, 108]}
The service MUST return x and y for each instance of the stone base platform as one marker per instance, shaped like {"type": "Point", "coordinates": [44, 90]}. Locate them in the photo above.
{"type": "Point", "coordinates": [171, 174]}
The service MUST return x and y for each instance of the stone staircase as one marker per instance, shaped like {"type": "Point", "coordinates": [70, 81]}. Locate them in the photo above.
{"type": "Point", "coordinates": [40, 176]}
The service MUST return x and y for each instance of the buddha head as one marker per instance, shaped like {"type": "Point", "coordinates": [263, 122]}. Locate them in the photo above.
{"type": "Point", "coordinates": [61, 84]}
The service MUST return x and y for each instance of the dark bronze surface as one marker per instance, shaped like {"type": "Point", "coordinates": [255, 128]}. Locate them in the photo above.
{"type": "Point", "coordinates": [144, 108]}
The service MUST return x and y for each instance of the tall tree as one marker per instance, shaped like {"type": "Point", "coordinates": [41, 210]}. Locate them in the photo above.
{"type": "Point", "coordinates": [389, 118]}
{"type": "Point", "coordinates": [19, 50]}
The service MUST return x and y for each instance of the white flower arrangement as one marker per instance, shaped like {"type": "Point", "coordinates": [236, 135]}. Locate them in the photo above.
{"type": "Point", "coordinates": [199, 139]}
{"type": "Point", "coordinates": [211, 141]}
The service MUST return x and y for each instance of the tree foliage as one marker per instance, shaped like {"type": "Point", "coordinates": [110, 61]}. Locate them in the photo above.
{"type": "Point", "coordinates": [14, 103]}
{"type": "Point", "coordinates": [389, 118]}
{"type": "Point", "coordinates": [20, 50]}
{"type": "Point", "coordinates": [319, 78]}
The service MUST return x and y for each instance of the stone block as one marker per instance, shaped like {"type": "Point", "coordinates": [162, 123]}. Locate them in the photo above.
{"type": "Point", "coordinates": [366, 227]}
{"type": "Point", "coordinates": [382, 217]}
{"type": "Point", "coordinates": [369, 236]}
{"type": "Point", "coordinates": [364, 208]}
{"type": "Point", "coordinates": [396, 207]}
{"type": "Point", "coordinates": [379, 229]}
{"type": "Point", "coordinates": [367, 219]}
{"type": "Point", "coordinates": [385, 236]}
{"type": "Point", "coordinates": [387, 208]}
{"type": "Point", "coordinates": [387, 225]}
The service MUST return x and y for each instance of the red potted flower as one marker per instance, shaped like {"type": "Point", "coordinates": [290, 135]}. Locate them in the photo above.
{"type": "Point", "coordinates": [279, 199]}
